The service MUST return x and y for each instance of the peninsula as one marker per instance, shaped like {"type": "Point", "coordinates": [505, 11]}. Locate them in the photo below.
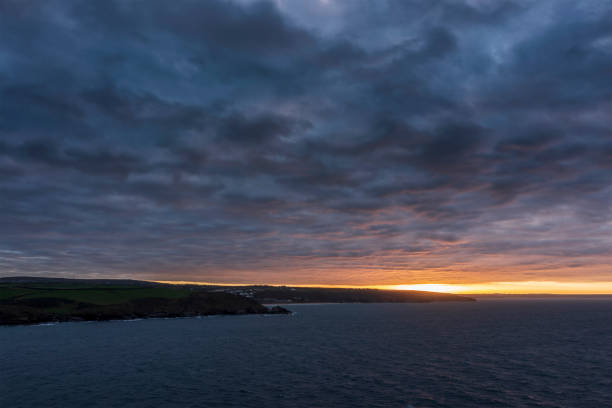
{"type": "Point", "coordinates": [29, 300]}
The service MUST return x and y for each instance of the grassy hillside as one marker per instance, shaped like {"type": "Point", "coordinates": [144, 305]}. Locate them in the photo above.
{"type": "Point", "coordinates": [95, 294]}
{"type": "Point", "coordinates": [37, 302]}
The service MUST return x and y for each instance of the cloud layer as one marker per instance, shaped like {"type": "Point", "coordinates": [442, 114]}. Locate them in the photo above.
{"type": "Point", "coordinates": [354, 142]}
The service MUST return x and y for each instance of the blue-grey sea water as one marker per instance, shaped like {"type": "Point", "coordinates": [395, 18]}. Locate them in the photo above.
{"type": "Point", "coordinates": [491, 353]}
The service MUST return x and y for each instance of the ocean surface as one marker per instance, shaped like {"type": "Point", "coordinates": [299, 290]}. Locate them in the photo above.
{"type": "Point", "coordinates": [491, 353]}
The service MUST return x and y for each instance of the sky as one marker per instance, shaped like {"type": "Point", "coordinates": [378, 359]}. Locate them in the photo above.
{"type": "Point", "coordinates": [355, 142]}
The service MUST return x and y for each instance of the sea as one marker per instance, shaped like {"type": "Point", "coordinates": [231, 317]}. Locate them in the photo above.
{"type": "Point", "coordinates": [490, 353]}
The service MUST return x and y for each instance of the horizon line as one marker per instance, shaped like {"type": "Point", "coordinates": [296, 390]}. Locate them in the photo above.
{"type": "Point", "coordinates": [485, 288]}
{"type": "Point", "coordinates": [532, 288]}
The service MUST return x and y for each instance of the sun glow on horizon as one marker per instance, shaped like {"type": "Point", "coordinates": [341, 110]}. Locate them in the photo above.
{"type": "Point", "coordinates": [517, 287]}
{"type": "Point", "coordinates": [428, 287]}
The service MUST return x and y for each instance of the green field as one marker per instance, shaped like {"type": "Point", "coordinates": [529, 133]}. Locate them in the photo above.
{"type": "Point", "coordinates": [62, 300]}
{"type": "Point", "coordinates": [94, 294]}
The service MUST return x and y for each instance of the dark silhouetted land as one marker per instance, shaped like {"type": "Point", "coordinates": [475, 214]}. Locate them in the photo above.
{"type": "Point", "coordinates": [286, 294]}
{"type": "Point", "coordinates": [25, 300]}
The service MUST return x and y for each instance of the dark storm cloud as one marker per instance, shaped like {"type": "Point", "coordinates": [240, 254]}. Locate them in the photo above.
{"type": "Point", "coordinates": [255, 131]}
{"type": "Point", "coordinates": [257, 27]}
{"type": "Point", "coordinates": [488, 13]}
{"type": "Point", "coordinates": [287, 141]}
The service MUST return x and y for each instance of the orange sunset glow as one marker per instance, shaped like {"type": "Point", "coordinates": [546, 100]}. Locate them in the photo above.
{"type": "Point", "coordinates": [522, 288]}
{"type": "Point", "coordinates": [526, 287]}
